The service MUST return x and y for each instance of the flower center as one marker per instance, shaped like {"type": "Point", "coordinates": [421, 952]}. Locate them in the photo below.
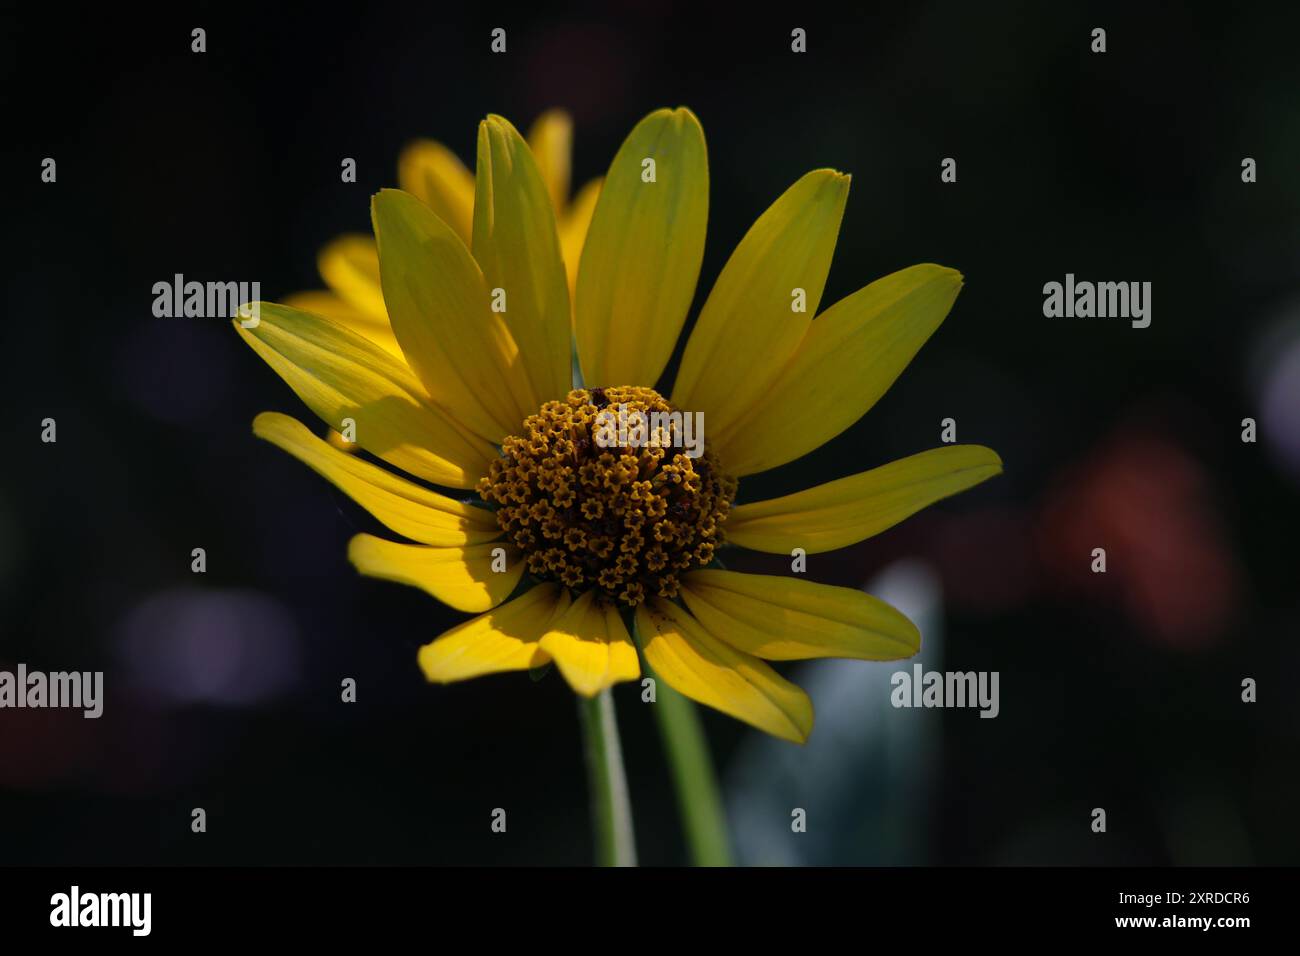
{"type": "Point", "coordinates": [613, 489]}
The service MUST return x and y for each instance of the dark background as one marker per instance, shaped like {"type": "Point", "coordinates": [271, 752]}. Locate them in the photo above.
{"type": "Point", "coordinates": [1119, 690]}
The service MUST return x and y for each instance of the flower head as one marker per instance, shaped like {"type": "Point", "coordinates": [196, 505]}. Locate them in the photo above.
{"type": "Point", "coordinates": [448, 349]}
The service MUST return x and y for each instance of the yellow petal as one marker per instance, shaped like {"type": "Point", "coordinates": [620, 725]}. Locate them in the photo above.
{"type": "Point", "coordinates": [516, 245]}
{"type": "Point", "coordinates": [350, 267]}
{"type": "Point", "coordinates": [438, 304]}
{"type": "Point", "coordinates": [432, 173]}
{"type": "Point", "coordinates": [551, 141]}
{"type": "Point", "coordinates": [329, 304]}
{"type": "Point", "coordinates": [591, 647]}
{"type": "Point", "coordinates": [573, 230]}
{"type": "Point", "coordinates": [340, 375]}
{"type": "Point", "coordinates": [844, 512]}
{"type": "Point", "coordinates": [504, 639]}
{"type": "Point", "coordinates": [460, 577]}
{"type": "Point", "coordinates": [643, 251]}
{"type": "Point", "coordinates": [405, 507]}
{"type": "Point", "coordinates": [694, 662]}
{"type": "Point", "coordinates": [336, 441]}
{"type": "Point", "coordinates": [332, 306]}
{"type": "Point", "coordinates": [849, 358]}
{"type": "Point", "coordinates": [789, 619]}
{"type": "Point", "coordinates": [749, 326]}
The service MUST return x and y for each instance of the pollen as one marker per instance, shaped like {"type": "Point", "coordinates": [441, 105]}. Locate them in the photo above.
{"type": "Point", "coordinates": [624, 517]}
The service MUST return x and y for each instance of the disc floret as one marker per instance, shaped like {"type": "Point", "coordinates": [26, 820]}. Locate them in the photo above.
{"type": "Point", "coordinates": [625, 518]}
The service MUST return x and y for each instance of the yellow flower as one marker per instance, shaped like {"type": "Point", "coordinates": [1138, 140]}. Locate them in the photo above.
{"type": "Point", "coordinates": [465, 395]}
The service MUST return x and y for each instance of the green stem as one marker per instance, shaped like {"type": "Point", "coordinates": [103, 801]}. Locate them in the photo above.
{"type": "Point", "coordinates": [698, 797]}
{"type": "Point", "coordinates": [611, 810]}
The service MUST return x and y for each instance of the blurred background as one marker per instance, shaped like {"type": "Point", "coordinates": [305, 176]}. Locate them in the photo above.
{"type": "Point", "coordinates": [1120, 690]}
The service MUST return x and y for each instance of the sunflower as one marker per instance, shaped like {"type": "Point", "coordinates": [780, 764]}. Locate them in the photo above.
{"type": "Point", "coordinates": [575, 546]}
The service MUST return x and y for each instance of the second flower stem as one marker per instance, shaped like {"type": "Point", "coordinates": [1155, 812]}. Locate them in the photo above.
{"type": "Point", "coordinates": [698, 796]}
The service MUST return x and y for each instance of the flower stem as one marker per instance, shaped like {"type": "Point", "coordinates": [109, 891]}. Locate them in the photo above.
{"type": "Point", "coordinates": [611, 810]}
{"type": "Point", "coordinates": [698, 797]}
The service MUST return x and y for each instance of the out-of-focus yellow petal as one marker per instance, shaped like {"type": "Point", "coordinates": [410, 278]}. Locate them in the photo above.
{"type": "Point", "coordinates": [504, 639]}
{"type": "Point", "coordinates": [403, 506]}
{"type": "Point", "coordinates": [516, 246]}
{"type": "Point", "coordinates": [849, 358]}
{"type": "Point", "coordinates": [643, 251]}
{"type": "Point", "coordinates": [332, 306]}
{"type": "Point", "coordinates": [340, 375]}
{"type": "Point", "coordinates": [844, 512]}
{"type": "Point", "coordinates": [551, 141]}
{"type": "Point", "coordinates": [591, 647]}
{"type": "Point", "coordinates": [573, 229]}
{"type": "Point", "coordinates": [788, 619]}
{"type": "Point", "coordinates": [699, 665]}
{"type": "Point", "coordinates": [749, 326]}
{"type": "Point", "coordinates": [350, 267]}
{"type": "Point", "coordinates": [460, 577]}
{"type": "Point", "coordinates": [434, 175]}
{"type": "Point", "coordinates": [339, 443]}
{"type": "Point", "coordinates": [438, 304]}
